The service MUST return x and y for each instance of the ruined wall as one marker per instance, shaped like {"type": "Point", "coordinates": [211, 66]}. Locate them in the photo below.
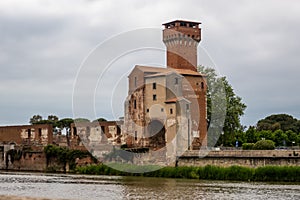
{"type": "Point", "coordinates": [41, 134]}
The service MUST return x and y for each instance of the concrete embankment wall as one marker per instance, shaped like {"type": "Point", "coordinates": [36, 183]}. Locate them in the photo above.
{"type": "Point", "coordinates": [246, 158]}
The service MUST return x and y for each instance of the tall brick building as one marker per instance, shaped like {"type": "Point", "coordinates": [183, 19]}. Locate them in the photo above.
{"type": "Point", "coordinates": [166, 107]}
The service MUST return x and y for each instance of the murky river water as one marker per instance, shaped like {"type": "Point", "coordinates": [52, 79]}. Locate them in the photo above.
{"type": "Point", "coordinates": [79, 187]}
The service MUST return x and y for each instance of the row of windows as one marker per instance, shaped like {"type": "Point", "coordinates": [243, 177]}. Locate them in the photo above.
{"type": "Point", "coordinates": [162, 110]}
{"type": "Point", "coordinates": [176, 83]}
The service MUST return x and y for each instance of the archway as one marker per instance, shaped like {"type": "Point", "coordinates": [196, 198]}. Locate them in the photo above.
{"type": "Point", "coordinates": [156, 134]}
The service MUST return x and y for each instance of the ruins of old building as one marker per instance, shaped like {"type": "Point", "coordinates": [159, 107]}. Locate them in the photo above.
{"type": "Point", "coordinates": [166, 107]}
{"type": "Point", "coordinates": [97, 137]}
{"type": "Point", "coordinates": [31, 135]}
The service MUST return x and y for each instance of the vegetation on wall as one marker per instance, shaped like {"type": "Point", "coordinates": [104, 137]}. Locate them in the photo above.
{"type": "Point", "coordinates": [64, 155]}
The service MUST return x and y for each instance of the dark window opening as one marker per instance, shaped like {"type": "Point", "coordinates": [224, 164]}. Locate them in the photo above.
{"type": "Point", "coordinates": [29, 133]}
{"type": "Point", "coordinates": [176, 81]}
{"type": "Point", "coordinates": [147, 110]}
{"type": "Point", "coordinates": [40, 133]}
{"type": "Point", "coordinates": [135, 135]}
{"type": "Point", "coordinates": [162, 110]}
{"type": "Point", "coordinates": [187, 107]}
{"type": "Point", "coordinates": [182, 24]}
{"type": "Point", "coordinates": [153, 86]}
{"type": "Point", "coordinates": [74, 131]}
{"type": "Point", "coordinates": [154, 97]}
{"type": "Point", "coordinates": [134, 104]}
{"type": "Point", "coordinates": [171, 111]}
{"type": "Point", "coordinates": [202, 85]}
{"type": "Point", "coordinates": [102, 129]}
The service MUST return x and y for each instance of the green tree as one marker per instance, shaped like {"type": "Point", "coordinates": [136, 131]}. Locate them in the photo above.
{"type": "Point", "coordinates": [280, 138]}
{"type": "Point", "coordinates": [100, 120]}
{"type": "Point", "coordinates": [292, 138]}
{"type": "Point", "coordinates": [35, 119]}
{"type": "Point", "coordinates": [221, 99]}
{"type": "Point", "coordinates": [65, 123]}
{"type": "Point", "coordinates": [80, 120]}
{"type": "Point", "coordinates": [279, 121]}
{"type": "Point", "coordinates": [251, 136]}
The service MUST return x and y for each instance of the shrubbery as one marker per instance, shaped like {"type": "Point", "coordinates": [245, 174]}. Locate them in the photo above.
{"type": "Point", "coordinates": [237, 173]}
{"type": "Point", "coordinates": [264, 145]}
{"type": "Point", "coordinates": [65, 155]}
{"type": "Point", "coordinates": [248, 146]}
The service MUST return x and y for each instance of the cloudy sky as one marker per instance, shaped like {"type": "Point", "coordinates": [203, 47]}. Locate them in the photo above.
{"type": "Point", "coordinates": [45, 44]}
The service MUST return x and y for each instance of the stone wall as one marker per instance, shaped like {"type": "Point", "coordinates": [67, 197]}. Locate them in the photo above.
{"type": "Point", "coordinates": [40, 134]}
{"type": "Point", "coordinates": [249, 158]}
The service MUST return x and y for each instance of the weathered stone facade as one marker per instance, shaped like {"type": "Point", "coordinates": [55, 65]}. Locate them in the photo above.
{"type": "Point", "coordinates": [166, 107]}
{"type": "Point", "coordinates": [97, 137]}
{"type": "Point", "coordinates": [37, 135]}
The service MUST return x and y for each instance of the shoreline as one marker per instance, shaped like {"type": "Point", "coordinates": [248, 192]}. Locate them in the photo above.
{"type": "Point", "coordinates": [209, 172]}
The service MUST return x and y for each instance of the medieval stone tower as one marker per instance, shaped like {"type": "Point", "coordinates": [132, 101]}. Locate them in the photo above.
{"type": "Point", "coordinates": [181, 39]}
{"type": "Point", "coordinates": [164, 103]}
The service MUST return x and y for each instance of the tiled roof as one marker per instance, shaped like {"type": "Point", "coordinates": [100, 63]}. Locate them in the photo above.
{"type": "Point", "coordinates": [172, 100]}
{"type": "Point", "coordinates": [151, 69]}
{"type": "Point", "coordinates": [188, 72]}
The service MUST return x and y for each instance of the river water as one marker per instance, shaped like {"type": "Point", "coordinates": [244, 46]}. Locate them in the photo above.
{"type": "Point", "coordinates": [84, 187]}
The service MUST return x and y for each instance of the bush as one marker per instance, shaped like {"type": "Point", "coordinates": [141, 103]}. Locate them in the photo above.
{"type": "Point", "coordinates": [248, 146]}
{"type": "Point", "coordinates": [264, 145]}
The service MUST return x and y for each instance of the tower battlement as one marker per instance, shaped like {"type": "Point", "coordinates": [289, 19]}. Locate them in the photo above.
{"type": "Point", "coordinates": [181, 39]}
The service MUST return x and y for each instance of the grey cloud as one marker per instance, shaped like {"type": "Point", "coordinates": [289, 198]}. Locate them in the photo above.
{"type": "Point", "coordinates": [254, 43]}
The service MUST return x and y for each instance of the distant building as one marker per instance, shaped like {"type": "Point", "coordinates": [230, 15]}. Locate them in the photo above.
{"type": "Point", "coordinates": [166, 107]}
{"type": "Point", "coordinates": [31, 135]}
{"type": "Point", "coordinates": [95, 136]}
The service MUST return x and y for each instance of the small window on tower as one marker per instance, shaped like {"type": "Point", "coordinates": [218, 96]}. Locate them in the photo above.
{"type": "Point", "coordinates": [176, 81]}
{"type": "Point", "coordinates": [134, 104]}
{"type": "Point", "coordinates": [154, 86]}
{"type": "Point", "coordinates": [154, 97]}
{"type": "Point", "coordinates": [202, 85]}
{"type": "Point", "coordinates": [135, 135]}
{"type": "Point", "coordinates": [147, 110]}
{"type": "Point", "coordinates": [187, 107]}
{"type": "Point", "coordinates": [135, 81]}
{"type": "Point", "coordinates": [171, 111]}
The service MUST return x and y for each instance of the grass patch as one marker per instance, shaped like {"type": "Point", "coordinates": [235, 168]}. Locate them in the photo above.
{"type": "Point", "coordinates": [234, 173]}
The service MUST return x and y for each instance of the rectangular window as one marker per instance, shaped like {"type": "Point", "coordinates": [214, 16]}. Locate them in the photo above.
{"type": "Point", "coordinates": [40, 133]}
{"type": "Point", "coordinates": [154, 86]}
{"type": "Point", "coordinates": [29, 133]}
{"type": "Point", "coordinates": [154, 97]}
{"type": "Point", "coordinates": [171, 111]}
{"type": "Point", "coordinates": [162, 110]}
{"type": "Point", "coordinates": [176, 81]}
{"type": "Point", "coordinates": [135, 81]}
{"type": "Point", "coordinates": [135, 135]}
{"type": "Point", "coordinates": [134, 104]}
{"type": "Point", "coordinates": [147, 110]}
{"type": "Point", "coordinates": [187, 107]}
{"type": "Point", "coordinates": [102, 129]}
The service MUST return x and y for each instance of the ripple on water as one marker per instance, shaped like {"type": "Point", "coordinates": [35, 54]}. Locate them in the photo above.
{"type": "Point", "coordinates": [61, 186]}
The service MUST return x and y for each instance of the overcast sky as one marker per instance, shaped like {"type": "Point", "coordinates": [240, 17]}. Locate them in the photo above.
{"type": "Point", "coordinates": [43, 43]}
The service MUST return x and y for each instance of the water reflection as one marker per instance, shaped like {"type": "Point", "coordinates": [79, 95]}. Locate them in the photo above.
{"type": "Point", "coordinates": [78, 187]}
